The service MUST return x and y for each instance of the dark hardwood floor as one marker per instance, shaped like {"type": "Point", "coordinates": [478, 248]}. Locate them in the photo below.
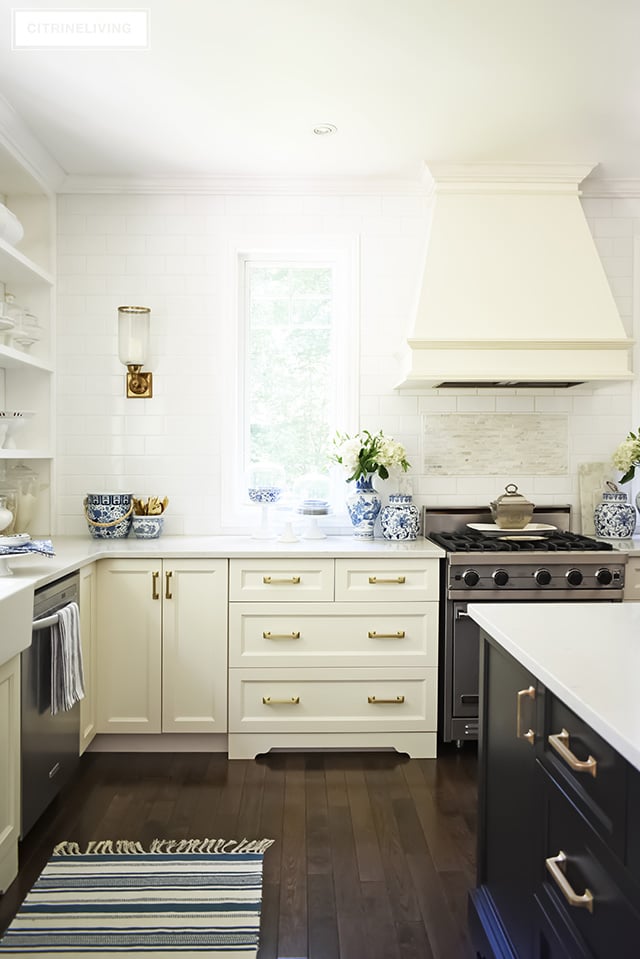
{"type": "Point", "coordinates": [374, 852]}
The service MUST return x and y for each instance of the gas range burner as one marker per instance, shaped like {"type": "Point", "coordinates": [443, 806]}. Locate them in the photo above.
{"type": "Point", "coordinates": [556, 542]}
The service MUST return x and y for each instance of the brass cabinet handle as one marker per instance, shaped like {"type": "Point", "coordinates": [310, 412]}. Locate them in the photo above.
{"type": "Point", "coordinates": [167, 585]}
{"type": "Point", "coordinates": [292, 701]}
{"type": "Point", "coordinates": [396, 701]}
{"type": "Point", "coordinates": [154, 585]}
{"type": "Point", "coordinates": [529, 693]}
{"type": "Point", "coordinates": [271, 581]}
{"type": "Point", "coordinates": [376, 580]}
{"type": "Point", "coordinates": [293, 635]}
{"type": "Point", "coordinates": [556, 866]}
{"type": "Point", "coordinates": [560, 742]}
{"type": "Point", "coordinates": [399, 634]}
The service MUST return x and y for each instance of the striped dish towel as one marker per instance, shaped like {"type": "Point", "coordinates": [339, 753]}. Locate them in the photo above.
{"type": "Point", "coordinates": [67, 676]}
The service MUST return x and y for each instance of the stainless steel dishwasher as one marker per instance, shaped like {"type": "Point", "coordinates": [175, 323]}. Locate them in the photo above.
{"type": "Point", "coordinates": [49, 743]}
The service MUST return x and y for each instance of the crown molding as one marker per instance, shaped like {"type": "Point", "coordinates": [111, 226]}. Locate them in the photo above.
{"type": "Point", "coordinates": [487, 177]}
{"type": "Point", "coordinates": [27, 151]}
{"type": "Point", "coordinates": [622, 187]}
{"type": "Point", "coordinates": [247, 186]}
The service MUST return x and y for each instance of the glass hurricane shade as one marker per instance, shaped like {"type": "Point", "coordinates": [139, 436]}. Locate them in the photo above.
{"type": "Point", "coordinates": [133, 334]}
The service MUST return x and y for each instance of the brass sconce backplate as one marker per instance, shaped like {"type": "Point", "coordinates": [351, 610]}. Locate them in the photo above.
{"type": "Point", "coordinates": [139, 383]}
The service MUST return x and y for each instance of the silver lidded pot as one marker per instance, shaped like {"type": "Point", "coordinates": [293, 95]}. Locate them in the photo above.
{"type": "Point", "coordinates": [511, 510]}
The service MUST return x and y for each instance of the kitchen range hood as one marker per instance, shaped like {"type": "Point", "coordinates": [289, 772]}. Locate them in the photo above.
{"type": "Point", "coordinates": [513, 292]}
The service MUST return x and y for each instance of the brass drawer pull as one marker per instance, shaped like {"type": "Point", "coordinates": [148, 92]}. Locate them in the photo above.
{"type": "Point", "coordinates": [167, 585]}
{"type": "Point", "coordinates": [556, 866]}
{"type": "Point", "coordinates": [529, 693]}
{"type": "Point", "coordinates": [154, 585]}
{"type": "Point", "coordinates": [293, 635]}
{"type": "Point", "coordinates": [292, 701]}
{"type": "Point", "coordinates": [376, 580]}
{"type": "Point", "coordinates": [400, 634]}
{"type": "Point", "coordinates": [396, 701]}
{"type": "Point", "coordinates": [270, 581]}
{"type": "Point", "coordinates": [560, 742]}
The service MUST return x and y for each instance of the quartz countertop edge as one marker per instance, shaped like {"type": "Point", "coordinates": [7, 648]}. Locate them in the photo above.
{"type": "Point", "coordinates": [587, 654]}
{"type": "Point", "coordinates": [74, 552]}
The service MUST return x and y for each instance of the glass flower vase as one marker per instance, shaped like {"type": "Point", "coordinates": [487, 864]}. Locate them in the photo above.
{"type": "Point", "coordinates": [364, 505]}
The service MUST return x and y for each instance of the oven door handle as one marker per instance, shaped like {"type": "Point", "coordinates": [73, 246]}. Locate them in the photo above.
{"type": "Point", "coordinates": [45, 623]}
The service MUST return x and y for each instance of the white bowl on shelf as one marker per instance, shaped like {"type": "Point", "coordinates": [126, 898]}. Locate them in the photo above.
{"type": "Point", "coordinates": [11, 422]}
{"type": "Point", "coordinates": [24, 337]}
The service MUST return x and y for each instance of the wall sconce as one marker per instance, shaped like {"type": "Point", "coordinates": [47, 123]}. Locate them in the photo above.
{"type": "Point", "coordinates": [133, 347]}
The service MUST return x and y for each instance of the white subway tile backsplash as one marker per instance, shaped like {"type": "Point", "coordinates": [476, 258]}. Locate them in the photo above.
{"type": "Point", "coordinates": [611, 226]}
{"type": "Point", "coordinates": [171, 252]}
{"type": "Point", "coordinates": [147, 224]}
{"type": "Point", "coordinates": [124, 243]}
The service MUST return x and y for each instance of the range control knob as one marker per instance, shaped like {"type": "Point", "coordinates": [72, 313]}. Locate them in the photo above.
{"type": "Point", "coordinates": [542, 577]}
{"type": "Point", "coordinates": [500, 577]}
{"type": "Point", "coordinates": [574, 577]}
{"type": "Point", "coordinates": [470, 577]}
{"type": "Point", "coordinates": [604, 576]}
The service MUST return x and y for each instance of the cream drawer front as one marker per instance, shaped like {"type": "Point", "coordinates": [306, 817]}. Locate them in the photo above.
{"type": "Point", "coordinates": [345, 700]}
{"type": "Point", "coordinates": [280, 580]}
{"type": "Point", "coordinates": [390, 581]}
{"type": "Point", "coordinates": [341, 634]}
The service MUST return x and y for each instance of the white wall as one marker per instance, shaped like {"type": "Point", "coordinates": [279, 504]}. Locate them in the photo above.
{"type": "Point", "coordinates": [171, 253]}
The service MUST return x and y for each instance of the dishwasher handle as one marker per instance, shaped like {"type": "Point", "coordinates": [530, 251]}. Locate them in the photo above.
{"type": "Point", "coordinates": [45, 623]}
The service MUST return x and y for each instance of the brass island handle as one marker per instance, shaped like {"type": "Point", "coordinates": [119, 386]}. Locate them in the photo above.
{"type": "Point", "coordinates": [154, 585]}
{"type": "Point", "coordinates": [292, 635]}
{"type": "Point", "coordinates": [269, 701]}
{"type": "Point", "coordinates": [377, 580]}
{"type": "Point", "coordinates": [399, 634]}
{"type": "Point", "coordinates": [556, 866]}
{"type": "Point", "coordinates": [271, 581]}
{"type": "Point", "coordinates": [396, 701]}
{"type": "Point", "coordinates": [167, 585]}
{"type": "Point", "coordinates": [529, 693]}
{"type": "Point", "coordinates": [560, 742]}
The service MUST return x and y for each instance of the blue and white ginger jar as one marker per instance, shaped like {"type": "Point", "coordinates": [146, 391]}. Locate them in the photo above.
{"type": "Point", "coordinates": [400, 519]}
{"type": "Point", "coordinates": [364, 506]}
{"type": "Point", "coordinates": [614, 517]}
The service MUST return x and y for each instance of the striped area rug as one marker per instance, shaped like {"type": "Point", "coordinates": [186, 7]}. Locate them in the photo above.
{"type": "Point", "coordinates": [176, 898]}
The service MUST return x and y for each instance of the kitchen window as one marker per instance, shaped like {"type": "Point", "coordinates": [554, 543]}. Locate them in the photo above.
{"type": "Point", "coordinates": [297, 366]}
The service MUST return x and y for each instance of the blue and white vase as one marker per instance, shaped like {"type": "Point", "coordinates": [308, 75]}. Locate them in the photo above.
{"type": "Point", "coordinates": [364, 505]}
{"type": "Point", "coordinates": [400, 519]}
{"type": "Point", "coordinates": [614, 517]}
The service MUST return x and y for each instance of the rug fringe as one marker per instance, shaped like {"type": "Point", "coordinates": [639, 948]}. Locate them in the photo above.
{"type": "Point", "coordinates": [109, 847]}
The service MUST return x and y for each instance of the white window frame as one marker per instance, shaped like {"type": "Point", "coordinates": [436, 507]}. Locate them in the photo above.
{"type": "Point", "coordinates": [237, 515]}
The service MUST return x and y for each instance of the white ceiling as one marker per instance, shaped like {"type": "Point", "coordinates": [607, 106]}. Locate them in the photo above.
{"type": "Point", "coordinates": [235, 87]}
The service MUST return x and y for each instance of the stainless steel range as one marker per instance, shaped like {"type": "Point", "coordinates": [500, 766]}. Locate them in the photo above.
{"type": "Point", "coordinates": [542, 565]}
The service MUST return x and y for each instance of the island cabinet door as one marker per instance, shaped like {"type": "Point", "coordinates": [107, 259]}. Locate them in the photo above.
{"type": "Point", "coordinates": [506, 837]}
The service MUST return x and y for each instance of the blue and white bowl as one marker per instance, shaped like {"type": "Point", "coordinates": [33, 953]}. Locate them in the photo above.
{"type": "Point", "coordinates": [147, 527]}
{"type": "Point", "coordinates": [108, 515]}
{"type": "Point", "coordinates": [265, 494]}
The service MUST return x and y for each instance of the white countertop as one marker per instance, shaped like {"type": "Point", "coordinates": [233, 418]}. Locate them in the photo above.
{"type": "Point", "coordinates": [588, 654]}
{"type": "Point", "coordinates": [32, 571]}
{"type": "Point", "coordinates": [73, 552]}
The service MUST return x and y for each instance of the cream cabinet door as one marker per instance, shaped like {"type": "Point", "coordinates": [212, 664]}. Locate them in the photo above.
{"type": "Point", "coordinates": [88, 638]}
{"type": "Point", "coordinates": [194, 642]}
{"type": "Point", "coordinates": [129, 654]}
{"type": "Point", "coordinates": [9, 770]}
{"type": "Point", "coordinates": [632, 579]}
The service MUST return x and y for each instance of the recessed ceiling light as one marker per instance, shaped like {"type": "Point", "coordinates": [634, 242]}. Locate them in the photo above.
{"type": "Point", "coordinates": [323, 129]}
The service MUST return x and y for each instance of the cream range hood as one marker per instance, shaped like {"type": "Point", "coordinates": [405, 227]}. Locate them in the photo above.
{"type": "Point", "coordinates": [513, 291]}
